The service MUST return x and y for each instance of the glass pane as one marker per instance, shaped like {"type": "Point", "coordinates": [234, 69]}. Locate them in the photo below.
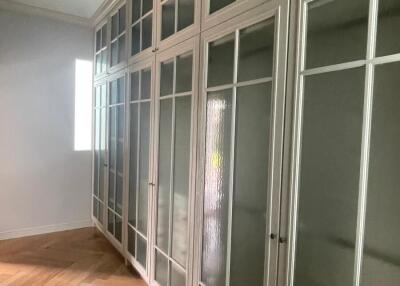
{"type": "Point", "coordinates": [136, 10]}
{"type": "Point", "coordinates": [94, 207]}
{"type": "Point", "coordinates": [133, 163]}
{"type": "Point", "coordinates": [121, 121]}
{"type": "Point", "coordinates": [113, 93]}
{"type": "Point", "coordinates": [329, 178]}
{"type": "Point", "coordinates": [141, 251]}
{"type": "Point", "coordinates": [167, 77]}
{"type": "Point", "coordinates": [164, 173]}
{"type": "Point", "coordinates": [104, 36]}
{"type": "Point", "coordinates": [147, 6]}
{"type": "Point", "coordinates": [118, 228]}
{"type": "Point", "coordinates": [111, 190]}
{"type": "Point", "coordinates": [98, 63]}
{"type": "Point", "coordinates": [168, 19]}
{"type": "Point", "coordinates": [101, 212]}
{"type": "Point", "coordinates": [146, 84]}
{"type": "Point", "coordinates": [181, 178]}
{"type": "Point", "coordinates": [114, 26]}
{"type": "Point", "coordinates": [250, 193]}
{"type": "Point", "coordinates": [131, 241]}
{"type": "Point", "coordinates": [103, 60]}
{"type": "Point", "coordinates": [102, 155]}
{"type": "Point", "coordinates": [185, 13]}
{"type": "Point", "coordinates": [216, 192]}
{"type": "Point", "coordinates": [118, 194]}
{"type": "Point", "coordinates": [388, 40]}
{"type": "Point", "coordinates": [114, 53]}
{"type": "Point", "coordinates": [382, 249]}
{"type": "Point", "coordinates": [134, 86]}
{"type": "Point", "coordinates": [184, 72]}
{"type": "Point", "coordinates": [256, 51]}
{"type": "Point", "coordinates": [121, 49]}
{"type": "Point", "coordinates": [136, 39]}
{"type": "Point", "coordinates": [122, 19]}
{"type": "Point", "coordinates": [216, 5]}
{"type": "Point", "coordinates": [98, 40]}
{"type": "Point", "coordinates": [337, 32]}
{"type": "Point", "coordinates": [221, 60]}
{"type": "Point", "coordinates": [147, 32]}
{"type": "Point", "coordinates": [161, 274]}
{"type": "Point", "coordinates": [104, 95]}
{"type": "Point", "coordinates": [177, 277]}
{"type": "Point", "coordinates": [110, 226]}
{"type": "Point", "coordinates": [120, 156]}
{"type": "Point", "coordinates": [144, 166]}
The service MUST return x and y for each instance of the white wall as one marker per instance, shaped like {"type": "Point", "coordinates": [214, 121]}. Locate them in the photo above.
{"type": "Point", "coordinates": [44, 184]}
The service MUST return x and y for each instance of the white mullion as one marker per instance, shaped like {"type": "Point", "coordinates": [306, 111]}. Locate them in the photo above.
{"type": "Point", "coordinates": [333, 68]}
{"type": "Point", "coordinates": [232, 161]}
{"type": "Point", "coordinates": [365, 145]}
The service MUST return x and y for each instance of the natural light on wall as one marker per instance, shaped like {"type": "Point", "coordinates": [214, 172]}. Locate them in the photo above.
{"type": "Point", "coordinates": [83, 105]}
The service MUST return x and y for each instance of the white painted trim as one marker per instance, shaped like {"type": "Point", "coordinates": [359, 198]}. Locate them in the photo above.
{"type": "Point", "coordinates": [32, 10]}
{"type": "Point", "coordinates": [44, 229]}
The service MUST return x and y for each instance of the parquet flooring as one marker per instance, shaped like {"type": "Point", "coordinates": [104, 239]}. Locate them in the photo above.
{"type": "Point", "coordinates": [78, 257]}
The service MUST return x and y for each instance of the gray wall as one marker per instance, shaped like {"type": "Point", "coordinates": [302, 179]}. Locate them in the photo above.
{"type": "Point", "coordinates": [43, 181]}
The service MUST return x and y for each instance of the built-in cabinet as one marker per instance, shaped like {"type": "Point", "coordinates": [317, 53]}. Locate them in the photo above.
{"type": "Point", "coordinates": [235, 147]}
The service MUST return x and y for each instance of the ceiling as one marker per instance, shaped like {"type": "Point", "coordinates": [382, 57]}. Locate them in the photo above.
{"type": "Point", "coordinates": [80, 8]}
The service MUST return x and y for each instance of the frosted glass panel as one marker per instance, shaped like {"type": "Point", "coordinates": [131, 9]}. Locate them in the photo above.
{"type": "Point", "coordinates": [177, 276]}
{"type": "Point", "coordinates": [133, 163]}
{"type": "Point", "coordinates": [144, 166]}
{"type": "Point", "coordinates": [253, 121]}
{"type": "Point", "coordinates": [221, 60]}
{"type": "Point", "coordinates": [161, 269]}
{"type": "Point", "coordinates": [164, 173]}
{"type": "Point", "coordinates": [185, 13]}
{"type": "Point", "coordinates": [337, 32]}
{"type": "Point", "coordinates": [184, 72]}
{"type": "Point", "coordinates": [329, 178]}
{"type": "Point", "coordinates": [141, 250]}
{"type": "Point", "coordinates": [388, 40]}
{"type": "Point", "coordinates": [168, 19]}
{"type": "Point", "coordinates": [146, 32]}
{"type": "Point", "coordinates": [382, 250]}
{"type": "Point", "coordinates": [216, 192]}
{"type": "Point", "coordinates": [181, 179]}
{"type": "Point", "coordinates": [167, 77]}
{"type": "Point", "coordinates": [216, 5]}
{"type": "Point", "coordinates": [256, 51]}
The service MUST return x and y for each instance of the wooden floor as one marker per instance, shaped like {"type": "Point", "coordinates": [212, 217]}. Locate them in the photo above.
{"type": "Point", "coordinates": [78, 257]}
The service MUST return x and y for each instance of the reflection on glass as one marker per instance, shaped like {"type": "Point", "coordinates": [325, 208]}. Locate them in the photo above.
{"type": "Point", "coordinates": [146, 32]}
{"type": "Point", "coordinates": [122, 19]}
{"type": "Point", "coordinates": [114, 26]}
{"type": "Point", "coordinates": [135, 39]}
{"type": "Point", "coordinates": [168, 19]}
{"type": "Point", "coordinates": [101, 212]}
{"type": "Point", "coordinates": [121, 49]}
{"type": "Point", "coordinates": [388, 40]}
{"type": "Point", "coordinates": [134, 86]}
{"type": "Point", "coordinates": [256, 51]}
{"type": "Point", "coordinates": [216, 192]}
{"type": "Point", "coordinates": [164, 172]}
{"type": "Point", "coordinates": [161, 269]}
{"type": "Point", "coordinates": [216, 5]}
{"type": "Point", "coordinates": [185, 13]}
{"type": "Point", "coordinates": [136, 7]}
{"type": "Point", "coordinates": [118, 228]}
{"type": "Point", "coordinates": [337, 32]}
{"type": "Point", "coordinates": [141, 250]}
{"type": "Point", "coordinates": [111, 190]}
{"type": "Point", "coordinates": [114, 53]}
{"type": "Point", "coordinates": [146, 84]}
{"type": "Point", "coordinates": [181, 179]}
{"type": "Point", "coordinates": [131, 241]}
{"type": "Point", "coordinates": [329, 178]}
{"type": "Point", "coordinates": [147, 6]}
{"type": "Point", "coordinates": [118, 194]}
{"type": "Point", "coordinates": [382, 250]}
{"type": "Point", "coordinates": [133, 162]}
{"type": "Point", "coordinates": [110, 226]}
{"type": "Point", "coordinates": [253, 120]}
{"type": "Point", "coordinates": [104, 36]}
{"type": "Point", "coordinates": [177, 276]}
{"type": "Point", "coordinates": [184, 73]}
{"type": "Point", "coordinates": [221, 60]}
{"type": "Point", "coordinates": [167, 77]}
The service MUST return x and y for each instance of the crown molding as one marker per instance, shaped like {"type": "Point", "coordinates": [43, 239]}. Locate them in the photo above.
{"type": "Point", "coordinates": [31, 10]}
{"type": "Point", "coordinates": [102, 11]}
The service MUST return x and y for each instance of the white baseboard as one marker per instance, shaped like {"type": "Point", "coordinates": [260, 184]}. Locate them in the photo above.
{"type": "Point", "coordinates": [44, 229]}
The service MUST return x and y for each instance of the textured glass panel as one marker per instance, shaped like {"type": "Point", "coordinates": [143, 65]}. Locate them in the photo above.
{"type": "Point", "coordinates": [114, 26]}
{"type": "Point", "coordinates": [221, 60]}
{"type": "Point", "coordinates": [118, 228]}
{"type": "Point", "coordinates": [121, 49]}
{"type": "Point", "coordinates": [168, 19]}
{"type": "Point", "coordinates": [329, 178]}
{"type": "Point", "coordinates": [177, 276]}
{"type": "Point", "coordinates": [167, 77]}
{"type": "Point", "coordinates": [134, 86]}
{"type": "Point", "coordinates": [161, 274]}
{"type": "Point", "coordinates": [216, 5]}
{"type": "Point", "coordinates": [136, 39]}
{"type": "Point", "coordinates": [141, 250]}
{"type": "Point", "coordinates": [146, 84]}
{"type": "Point", "coordinates": [147, 32]}
{"type": "Point", "coordinates": [131, 241]}
{"type": "Point", "coordinates": [133, 163]}
{"type": "Point", "coordinates": [136, 10]}
{"type": "Point", "coordinates": [144, 166]}
{"type": "Point", "coordinates": [110, 226]}
{"type": "Point", "coordinates": [147, 6]}
{"type": "Point", "coordinates": [184, 73]}
{"type": "Point", "coordinates": [185, 13]}
{"type": "Point", "coordinates": [256, 51]}
{"type": "Point", "coordinates": [253, 121]}
{"type": "Point", "coordinates": [337, 32]}
{"type": "Point", "coordinates": [118, 194]}
{"type": "Point", "coordinates": [164, 173]}
{"type": "Point", "coordinates": [98, 40]}
{"type": "Point", "coordinates": [216, 192]}
{"type": "Point", "coordinates": [382, 249]}
{"type": "Point", "coordinates": [388, 40]}
{"type": "Point", "coordinates": [111, 190]}
{"type": "Point", "coordinates": [122, 19]}
{"type": "Point", "coordinates": [114, 53]}
{"type": "Point", "coordinates": [181, 179]}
